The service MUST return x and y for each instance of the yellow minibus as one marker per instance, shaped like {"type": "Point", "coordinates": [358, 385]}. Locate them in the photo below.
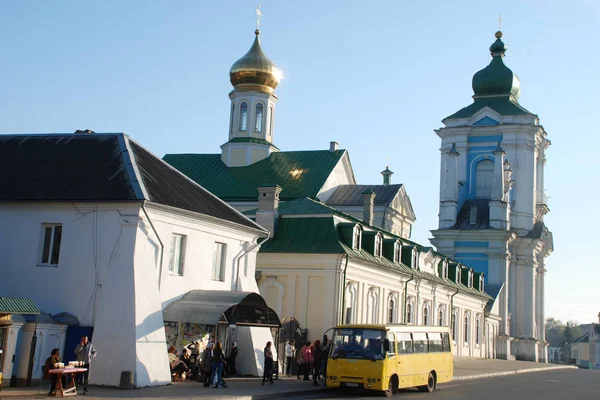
{"type": "Point", "coordinates": [389, 357]}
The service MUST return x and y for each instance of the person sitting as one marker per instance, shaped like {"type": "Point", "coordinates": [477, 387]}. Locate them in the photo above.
{"type": "Point", "coordinates": [47, 376]}
{"type": "Point", "coordinates": [178, 367]}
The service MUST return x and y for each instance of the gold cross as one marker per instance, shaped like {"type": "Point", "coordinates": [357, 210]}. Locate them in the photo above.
{"type": "Point", "coordinates": [258, 15]}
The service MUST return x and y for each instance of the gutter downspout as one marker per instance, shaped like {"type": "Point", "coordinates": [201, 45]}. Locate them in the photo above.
{"type": "Point", "coordinates": [452, 310]}
{"type": "Point", "coordinates": [412, 276]}
{"type": "Point", "coordinates": [237, 272]}
{"type": "Point", "coordinates": [341, 317]}
{"type": "Point", "coordinates": [162, 246]}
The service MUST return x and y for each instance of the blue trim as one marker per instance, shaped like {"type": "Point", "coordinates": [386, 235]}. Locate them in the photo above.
{"type": "Point", "coordinates": [486, 121]}
{"type": "Point", "coordinates": [472, 255]}
{"type": "Point", "coordinates": [477, 261]}
{"type": "Point", "coordinates": [471, 244]}
{"type": "Point", "coordinates": [487, 138]}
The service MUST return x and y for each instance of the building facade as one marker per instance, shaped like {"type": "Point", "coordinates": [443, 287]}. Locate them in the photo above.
{"type": "Point", "coordinates": [493, 202]}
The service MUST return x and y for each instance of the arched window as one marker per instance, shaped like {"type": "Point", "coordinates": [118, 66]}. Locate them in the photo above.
{"type": "Point", "coordinates": [453, 325]}
{"type": "Point", "coordinates": [466, 333]}
{"type": "Point", "coordinates": [415, 259]}
{"type": "Point", "coordinates": [350, 306]}
{"type": "Point", "coordinates": [409, 311]}
{"type": "Point", "coordinates": [391, 309]}
{"type": "Point", "coordinates": [357, 237]}
{"type": "Point", "coordinates": [244, 117]}
{"type": "Point", "coordinates": [484, 175]}
{"type": "Point", "coordinates": [397, 252]}
{"type": "Point", "coordinates": [441, 318]}
{"type": "Point", "coordinates": [258, 125]}
{"type": "Point", "coordinates": [477, 338]}
{"type": "Point", "coordinates": [373, 306]}
{"type": "Point", "coordinates": [271, 112]}
{"type": "Point", "coordinates": [378, 245]}
{"type": "Point", "coordinates": [425, 315]}
{"type": "Point", "coordinates": [231, 118]}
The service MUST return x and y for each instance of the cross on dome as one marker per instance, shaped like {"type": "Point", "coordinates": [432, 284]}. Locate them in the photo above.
{"type": "Point", "coordinates": [258, 15]}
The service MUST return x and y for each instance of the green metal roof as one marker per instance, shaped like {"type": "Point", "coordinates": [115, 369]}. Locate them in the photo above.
{"type": "Point", "coordinates": [251, 140]}
{"type": "Point", "coordinates": [304, 235]}
{"type": "Point", "coordinates": [299, 173]}
{"type": "Point", "coordinates": [503, 105]}
{"type": "Point", "coordinates": [17, 305]}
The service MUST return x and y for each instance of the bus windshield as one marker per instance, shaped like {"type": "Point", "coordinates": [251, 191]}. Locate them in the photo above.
{"type": "Point", "coordinates": [358, 343]}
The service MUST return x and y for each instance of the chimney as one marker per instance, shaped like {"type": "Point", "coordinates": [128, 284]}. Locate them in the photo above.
{"type": "Point", "coordinates": [267, 215]}
{"type": "Point", "coordinates": [387, 176]}
{"type": "Point", "coordinates": [333, 146]}
{"type": "Point", "coordinates": [368, 201]}
{"type": "Point", "coordinates": [84, 132]}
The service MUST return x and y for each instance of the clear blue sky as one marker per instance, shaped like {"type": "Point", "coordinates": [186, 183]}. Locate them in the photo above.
{"type": "Point", "coordinates": [377, 77]}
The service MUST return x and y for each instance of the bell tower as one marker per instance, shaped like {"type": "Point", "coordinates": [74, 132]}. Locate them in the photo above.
{"type": "Point", "coordinates": [492, 203]}
{"type": "Point", "coordinates": [252, 114]}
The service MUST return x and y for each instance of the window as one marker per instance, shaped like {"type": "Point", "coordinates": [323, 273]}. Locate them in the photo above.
{"type": "Point", "coordinates": [378, 245]}
{"type": "Point", "coordinates": [350, 303]}
{"type": "Point", "coordinates": [391, 343]}
{"type": "Point", "coordinates": [441, 321]}
{"type": "Point", "coordinates": [470, 279]}
{"type": "Point", "coordinates": [415, 259]}
{"type": "Point", "coordinates": [397, 252]}
{"type": "Point", "coordinates": [435, 342]}
{"type": "Point", "coordinates": [409, 309]}
{"type": "Point", "coordinates": [231, 118]}
{"type": "Point", "coordinates": [477, 331]}
{"type": "Point", "coordinates": [481, 286]}
{"type": "Point", "coordinates": [420, 342]}
{"type": "Point", "coordinates": [405, 343]}
{"type": "Point", "coordinates": [356, 240]}
{"type": "Point", "coordinates": [373, 306]}
{"type": "Point", "coordinates": [271, 121]}
{"type": "Point", "coordinates": [243, 117]}
{"type": "Point", "coordinates": [51, 246]}
{"type": "Point", "coordinates": [391, 309]}
{"type": "Point", "coordinates": [446, 342]}
{"type": "Point", "coordinates": [425, 315]}
{"type": "Point", "coordinates": [466, 333]}
{"type": "Point", "coordinates": [258, 123]}
{"type": "Point", "coordinates": [177, 254]}
{"type": "Point", "coordinates": [219, 262]}
{"type": "Point", "coordinates": [453, 326]}
{"type": "Point", "coordinates": [484, 174]}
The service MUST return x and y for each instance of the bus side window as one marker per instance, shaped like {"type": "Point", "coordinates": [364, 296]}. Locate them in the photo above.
{"type": "Point", "coordinates": [435, 342]}
{"type": "Point", "coordinates": [446, 342]}
{"type": "Point", "coordinates": [391, 347]}
{"type": "Point", "coordinates": [420, 340]}
{"type": "Point", "coordinates": [405, 344]}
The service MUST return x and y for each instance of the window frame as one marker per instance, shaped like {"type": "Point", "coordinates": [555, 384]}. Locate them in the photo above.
{"type": "Point", "coordinates": [181, 240]}
{"type": "Point", "coordinates": [244, 116]}
{"type": "Point", "coordinates": [218, 275]}
{"type": "Point", "coordinates": [425, 314]}
{"type": "Point", "coordinates": [398, 252]}
{"type": "Point", "coordinates": [467, 327]}
{"type": "Point", "coordinates": [409, 310]}
{"type": "Point", "coordinates": [357, 238]}
{"type": "Point", "coordinates": [271, 121]}
{"type": "Point", "coordinates": [262, 118]}
{"type": "Point", "coordinates": [477, 332]}
{"type": "Point", "coordinates": [453, 327]}
{"type": "Point", "coordinates": [232, 120]}
{"type": "Point", "coordinates": [483, 173]}
{"type": "Point", "coordinates": [378, 247]}
{"type": "Point", "coordinates": [52, 246]}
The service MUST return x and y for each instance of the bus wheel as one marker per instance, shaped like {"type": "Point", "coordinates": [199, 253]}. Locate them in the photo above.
{"type": "Point", "coordinates": [392, 387]}
{"type": "Point", "coordinates": [430, 387]}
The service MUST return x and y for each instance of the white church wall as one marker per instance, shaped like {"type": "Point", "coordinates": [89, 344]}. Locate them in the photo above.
{"type": "Point", "coordinates": [342, 174]}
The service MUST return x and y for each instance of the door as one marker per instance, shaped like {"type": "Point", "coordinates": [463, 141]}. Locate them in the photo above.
{"type": "Point", "coordinates": [2, 340]}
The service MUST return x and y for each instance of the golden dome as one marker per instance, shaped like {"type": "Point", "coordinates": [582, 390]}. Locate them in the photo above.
{"type": "Point", "coordinates": [255, 71]}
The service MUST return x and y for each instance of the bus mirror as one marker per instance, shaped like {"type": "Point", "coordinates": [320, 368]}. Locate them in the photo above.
{"type": "Point", "coordinates": [386, 345]}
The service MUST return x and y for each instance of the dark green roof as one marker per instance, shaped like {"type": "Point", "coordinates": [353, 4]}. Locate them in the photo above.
{"type": "Point", "coordinates": [299, 173]}
{"type": "Point", "coordinates": [503, 105]}
{"type": "Point", "coordinates": [251, 140]}
{"type": "Point", "coordinates": [17, 305]}
{"type": "Point", "coordinates": [304, 235]}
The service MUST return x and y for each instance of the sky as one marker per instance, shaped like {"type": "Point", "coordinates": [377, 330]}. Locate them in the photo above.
{"type": "Point", "coordinates": [377, 77]}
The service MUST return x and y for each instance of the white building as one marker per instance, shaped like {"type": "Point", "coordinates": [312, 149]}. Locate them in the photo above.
{"type": "Point", "coordinates": [493, 202]}
{"type": "Point", "coordinates": [96, 226]}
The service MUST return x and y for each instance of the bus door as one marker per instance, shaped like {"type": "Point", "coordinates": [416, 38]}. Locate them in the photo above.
{"type": "Point", "coordinates": [389, 346]}
{"type": "Point", "coordinates": [404, 357]}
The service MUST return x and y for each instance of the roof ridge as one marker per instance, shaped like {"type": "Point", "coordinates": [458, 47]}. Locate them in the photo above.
{"type": "Point", "coordinates": [63, 134]}
{"type": "Point", "coordinates": [132, 169]}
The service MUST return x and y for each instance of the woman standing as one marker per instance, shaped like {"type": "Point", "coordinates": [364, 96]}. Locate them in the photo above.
{"type": "Point", "coordinates": [217, 365]}
{"type": "Point", "coordinates": [308, 359]}
{"type": "Point", "coordinates": [268, 370]}
{"type": "Point", "coordinates": [317, 354]}
{"type": "Point", "coordinates": [290, 351]}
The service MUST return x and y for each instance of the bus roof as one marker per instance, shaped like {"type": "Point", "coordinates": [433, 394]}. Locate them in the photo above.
{"type": "Point", "coordinates": [397, 327]}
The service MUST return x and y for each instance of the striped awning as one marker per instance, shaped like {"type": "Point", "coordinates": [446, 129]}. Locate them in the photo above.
{"type": "Point", "coordinates": [18, 305]}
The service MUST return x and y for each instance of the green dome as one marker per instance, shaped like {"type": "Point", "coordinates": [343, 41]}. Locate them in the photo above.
{"type": "Point", "coordinates": [496, 79]}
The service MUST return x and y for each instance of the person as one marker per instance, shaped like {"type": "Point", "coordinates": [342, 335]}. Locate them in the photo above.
{"type": "Point", "coordinates": [85, 352]}
{"type": "Point", "coordinates": [177, 365]}
{"type": "Point", "coordinates": [207, 364]}
{"type": "Point", "coordinates": [290, 351]}
{"type": "Point", "coordinates": [317, 355]}
{"type": "Point", "coordinates": [217, 365]}
{"type": "Point", "coordinates": [53, 378]}
{"type": "Point", "coordinates": [308, 359]}
{"type": "Point", "coordinates": [231, 360]}
{"type": "Point", "coordinates": [268, 367]}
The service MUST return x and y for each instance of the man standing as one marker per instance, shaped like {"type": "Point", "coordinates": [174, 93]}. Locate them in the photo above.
{"type": "Point", "coordinates": [85, 351]}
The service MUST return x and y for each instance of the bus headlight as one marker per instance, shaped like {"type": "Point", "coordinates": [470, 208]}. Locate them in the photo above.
{"type": "Point", "coordinates": [369, 380]}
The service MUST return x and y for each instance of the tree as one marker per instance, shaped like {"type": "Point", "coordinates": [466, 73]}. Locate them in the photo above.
{"type": "Point", "coordinates": [554, 332]}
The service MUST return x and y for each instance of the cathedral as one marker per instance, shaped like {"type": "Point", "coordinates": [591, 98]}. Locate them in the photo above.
{"type": "Point", "coordinates": [347, 246]}
{"type": "Point", "coordinates": [493, 202]}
